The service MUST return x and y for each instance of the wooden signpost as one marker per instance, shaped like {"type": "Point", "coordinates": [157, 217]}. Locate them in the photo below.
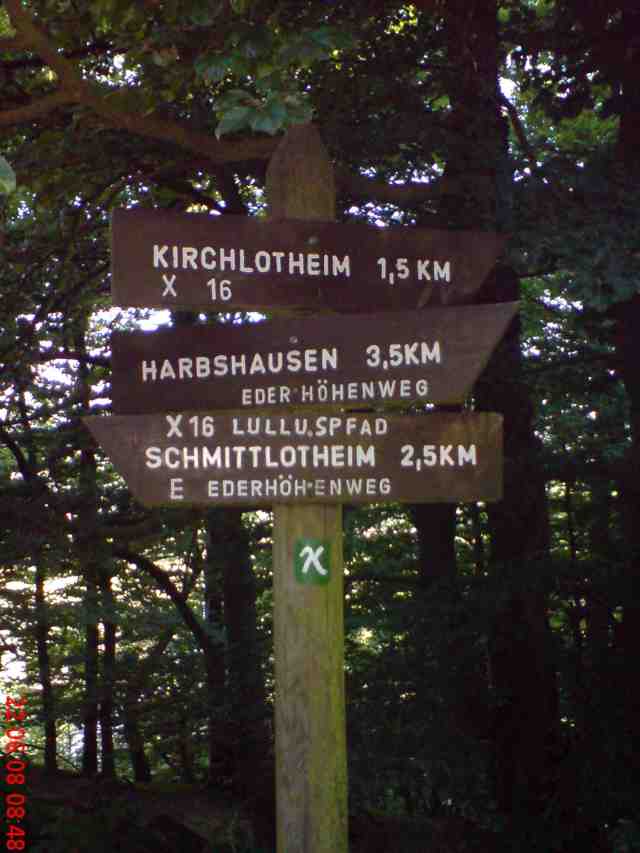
{"type": "Point", "coordinates": [292, 439]}
{"type": "Point", "coordinates": [259, 460]}
{"type": "Point", "coordinates": [162, 259]}
{"type": "Point", "coordinates": [418, 356]}
{"type": "Point", "coordinates": [308, 620]}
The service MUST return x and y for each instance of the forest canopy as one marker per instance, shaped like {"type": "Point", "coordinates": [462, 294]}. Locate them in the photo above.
{"type": "Point", "coordinates": [490, 660]}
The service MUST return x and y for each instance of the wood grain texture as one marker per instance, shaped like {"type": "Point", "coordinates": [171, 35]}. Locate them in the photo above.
{"type": "Point", "coordinates": [300, 180]}
{"type": "Point", "coordinates": [311, 773]}
{"type": "Point", "coordinates": [168, 259]}
{"type": "Point", "coordinates": [311, 756]}
{"type": "Point", "coordinates": [445, 347]}
{"type": "Point", "coordinates": [432, 458]}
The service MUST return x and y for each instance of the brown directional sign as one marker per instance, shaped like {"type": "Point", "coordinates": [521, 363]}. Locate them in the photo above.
{"type": "Point", "coordinates": [161, 259]}
{"type": "Point", "coordinates": [202, 459]}
{"type": "Point", "coordinates": [431, 356]}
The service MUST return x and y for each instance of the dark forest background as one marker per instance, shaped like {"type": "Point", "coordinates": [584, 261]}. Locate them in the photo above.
{"type": "Point", "coordinates": [491, 660]}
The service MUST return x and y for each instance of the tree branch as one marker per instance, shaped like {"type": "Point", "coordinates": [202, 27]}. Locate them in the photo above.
{"type": "Point", "coordinates": [98, 48]}
{"type": "Point", "coordinates": [65, 355]}
{"type": "Point", "coordinates": [43, 106]}
{"type": "Point", "coordinates": [38, 41]}
{"type": "Point", "coordinates": [519, 131]}
{"type": "Point", "coordinates": [164, 130]}
{"type": "Point", "coordinates": [74, 90]}
{"type": "Point", "coordinates": [369, 189]}
{"type": "Point", "coordinates": [24, 465]}
{"type": "Point", "coordinates": [12, 43]}
{"type": "Point", "coordinates": [167, 586]}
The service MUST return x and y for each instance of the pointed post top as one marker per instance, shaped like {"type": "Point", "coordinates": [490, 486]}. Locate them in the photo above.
{"type": "Point", "coordinates": [300, 180]}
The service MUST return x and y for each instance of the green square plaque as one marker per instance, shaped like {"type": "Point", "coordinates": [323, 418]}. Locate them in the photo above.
{"type": "Point", "coordinates": [312, 560]}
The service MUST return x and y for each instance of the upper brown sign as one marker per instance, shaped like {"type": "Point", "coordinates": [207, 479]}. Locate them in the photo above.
{"type": "Point", "coordinates": [431, 356]}
{"type": "Point", "coordinates": [161, 259]}
{"type": "Point", "coordinates": [203, 459]}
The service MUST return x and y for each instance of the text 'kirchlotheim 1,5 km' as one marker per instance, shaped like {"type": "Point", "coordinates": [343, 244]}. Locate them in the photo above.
{"type": "Point", "coordinates": [175, 260]}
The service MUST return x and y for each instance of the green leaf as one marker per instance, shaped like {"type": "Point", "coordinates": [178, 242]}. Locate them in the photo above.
{"type": "Point", "coordinates": [263, 123]}
{"type": "Point", "coordinates": [324, 36]}
{"type": "Point", "coordinates": [271, 118]}
{"type": "Point", "coordinates": [265, 69]}
{"type": "Point", "coordinates": [235, 119]}
{"type": "Point", "coordinates": [213, 70]}
{"type": "Point", "coordinates": [299, 113]}
{"type": "Point", "coordinates": [270, 83]}
{"type": "Point", "coordinates": [232, 98]}
{"type": "Point", "coordinates": [204, 16]}
{"type": "Point", "coordinates": [7, 177]}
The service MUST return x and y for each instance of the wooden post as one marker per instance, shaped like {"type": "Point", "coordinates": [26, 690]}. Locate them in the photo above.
{"type": "Point", "coordinates": [311, 760]}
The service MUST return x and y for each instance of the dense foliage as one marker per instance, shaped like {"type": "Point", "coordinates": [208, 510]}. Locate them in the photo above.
{"type": "Point", "coordinates": [492, 687]}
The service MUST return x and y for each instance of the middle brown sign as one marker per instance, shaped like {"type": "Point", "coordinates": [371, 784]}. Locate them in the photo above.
{"type": "Point", "coordinates": [429, 356]}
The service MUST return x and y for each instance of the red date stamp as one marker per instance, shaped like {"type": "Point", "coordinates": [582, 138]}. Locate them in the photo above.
{"type": "Point", "coordinates": [14, 748]}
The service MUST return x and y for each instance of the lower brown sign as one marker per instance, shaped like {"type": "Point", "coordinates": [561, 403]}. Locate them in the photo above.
{"type": "Point", "coordinates": [256, 460]}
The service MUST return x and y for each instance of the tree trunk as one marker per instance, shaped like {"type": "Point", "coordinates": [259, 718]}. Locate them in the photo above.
{"type": "Point", "coordinates": [228, 551]}
{"type": "Point", "coordinates": [479, 556]}
{"type": "Point", "coordinates": [131, 705]}
{"type": "Point", "coordinates": [216, 686]}
{"type": "Point", "coordinates": [185, 753]}
{"type": "Point", "coordinates": [108, 767]}
{"type": "Point", "coordinates": [44, 671]}
{"type": "Point", "coordinates": [626, 181]}
{"type": "Point", "coordinates": [86, 545]}
{"type": "Point", "coordinates": [522, 674]}
{"type": "Point", "coordinates": [628, 633]}
{"type": "Point", "coordinates": [135, 741]}
{"type": "Point", "coordinates": [474, 195]}
{"type": "Point", "coordinates": [598, 611]}
{"type": "Point", "coordinates": [90, 702]}
{"type": "Point", "coordinates": [435, 528]}
{"type": "Point", "coordinates": [245, 675]}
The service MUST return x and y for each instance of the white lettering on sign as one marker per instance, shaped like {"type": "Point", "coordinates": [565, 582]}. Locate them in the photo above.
{"type": "Point", "coordinates": [324, 391]}
{"type": "Point", "coordinates": [266, 396]}
{"type": "Point", "coordinates": [241, 456]}
{"type": "Point", "coordinates": [324, 425]}
{"type": "Point", "coordinates": [223, 259]}
{"type": "Point", "coordinates": [413, 354]}
{"type": "Point", "coordinates": [220, 290]}
{"type": "Point", "coordinates": [176, 489]}
{"type": "Point", "coordinates": [220, 365]}
{"type": "Point", "coordinates": [174, 426]}
{"type": "Point", "coordinates": [169, 289]}
{"type": "Point", "coordinates": [426, 269]}
{"type": "Point", "coordinates": [442, 455]}
{"type": "Point", "coordinates": [313, 559]}
{"type": "Point", "coordinates": [292, 487]}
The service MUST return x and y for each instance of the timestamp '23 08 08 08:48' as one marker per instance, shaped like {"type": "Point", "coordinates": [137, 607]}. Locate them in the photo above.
{"type": "Point", "coordinates": [14, 747]}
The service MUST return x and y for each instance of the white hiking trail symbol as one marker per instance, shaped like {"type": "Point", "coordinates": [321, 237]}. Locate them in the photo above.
{"type": "Point", "coordinates": [313, 559]}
